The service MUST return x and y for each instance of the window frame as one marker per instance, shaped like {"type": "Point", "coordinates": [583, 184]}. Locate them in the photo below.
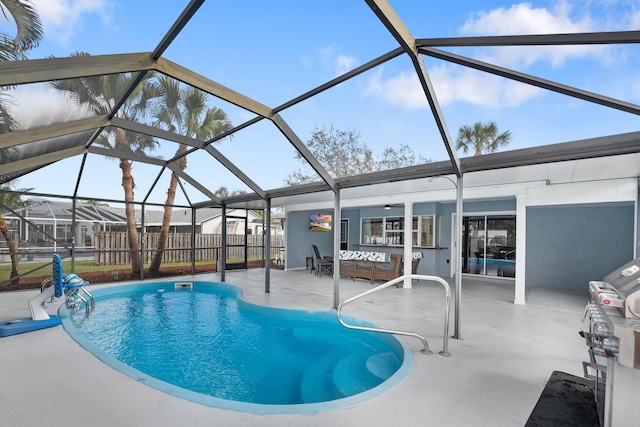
{"type": "Point", "coordinates": [389, 231]}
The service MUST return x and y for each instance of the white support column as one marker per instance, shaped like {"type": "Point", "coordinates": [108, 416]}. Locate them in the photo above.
{"type": "Point", "coordinates": [408, 248]}
{"type": "Point", "coordinates": [521, 257]}
{"type": "Point", "coordinates": [458, 257]}
{"type": "Point", "coordinates": [267, 248]}
{"type": "Point", "coordinates": [55, 235]}
{"type": "Point", "coordinates": [337, 218]}
{"type": "Point", "coordinates": [636, 248]}
{"type": "Point", "coordinates": [223, 255]}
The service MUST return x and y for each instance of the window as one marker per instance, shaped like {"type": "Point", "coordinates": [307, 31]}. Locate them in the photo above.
{"type": "Point", "coordinates": [423, 231]}
{"type": "Point", "coordinates": [344, 234]}
{"type": "Point", "coordinates": [389, 231]}
{"type": "Point", "coordinates": [371, 230]}
{"type": "Point", "coordinates": [489, 245]}
{"type": "Point", "coordinates": [394, 227]}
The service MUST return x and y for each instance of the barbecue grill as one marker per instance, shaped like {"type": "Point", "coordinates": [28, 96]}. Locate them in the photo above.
{"type": "Point", "coordinates": [613, 339]}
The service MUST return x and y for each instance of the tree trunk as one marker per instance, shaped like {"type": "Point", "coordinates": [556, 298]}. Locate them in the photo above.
{"type": "Point", "coordinates": [12, 252]}
{"type": "Point", "coordinates": [154, 268]}
{"type": "Point", "coordinates": [130, 211]}
{"type": "Point", "coordinates": [166, 223]}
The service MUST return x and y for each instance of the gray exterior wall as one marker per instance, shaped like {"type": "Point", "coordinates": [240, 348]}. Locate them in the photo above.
{"type": "Point", "coordinates": [567, 246]}
{"type": "Point", "coordinates": [445, 213]}
{"type": "Point", "coordinates": [298, 238]}
{"type": "Point", "coordinates": [353, 215]}
{"type": "Point", "coordinates": [434, 261]}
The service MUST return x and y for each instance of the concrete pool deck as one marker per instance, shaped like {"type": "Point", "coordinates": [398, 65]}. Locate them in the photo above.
{"type": "Point", "coordinates": [493, 378]}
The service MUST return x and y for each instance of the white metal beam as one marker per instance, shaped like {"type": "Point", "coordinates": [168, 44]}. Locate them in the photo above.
{"type": "Point", "coordinates": [303, 150]}
{"type": "Point", "coordinates": [128, 155]}
{"type": "Point", "coordinates": [204, 190]}
{"type": "Point", "coordinates": [45, 70]}
{"type": "Point", "coordinates": [191, 142]}
{"type": "Point", "coordinates": [396, 27]}
{"type": "Point", "coordinates": [154, 131]}
{"type": "Point", "coordinates": [610, 37]}
{"type": "Point", "coordinates": [532, 80]}
{"type": "Point", "coordinates": [196, 80]}
{"type": "Point", "coordinates": [44, 159]}
{"type": "Point", "coordinates": [13, 139]}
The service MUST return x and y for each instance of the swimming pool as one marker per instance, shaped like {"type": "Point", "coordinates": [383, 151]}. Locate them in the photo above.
{"type": "Point", "coordinates": [209, 345]}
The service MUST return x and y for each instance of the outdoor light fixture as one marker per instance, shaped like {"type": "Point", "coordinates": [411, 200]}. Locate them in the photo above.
{"type": "Point", "coordinates": [387, 207]}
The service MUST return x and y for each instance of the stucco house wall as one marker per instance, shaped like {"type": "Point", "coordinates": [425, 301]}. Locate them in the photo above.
{"type": "Point", "coordinates": [573, 233]}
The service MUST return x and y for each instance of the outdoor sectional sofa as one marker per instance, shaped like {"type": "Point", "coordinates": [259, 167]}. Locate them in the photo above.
{"type": "Point", "coordinates": [415, 260]}
{"type": "Point", "coordinates": [370, 265]}
{"type": "Point", "coordinates": [373, 266]}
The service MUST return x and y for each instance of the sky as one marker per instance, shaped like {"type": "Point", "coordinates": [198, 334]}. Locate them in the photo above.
{"type": "Point", "coordinates": [277, 50]}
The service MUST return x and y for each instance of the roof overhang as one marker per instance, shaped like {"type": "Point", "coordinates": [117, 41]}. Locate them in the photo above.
{"type": "Point", "coordinates": [602, 158]}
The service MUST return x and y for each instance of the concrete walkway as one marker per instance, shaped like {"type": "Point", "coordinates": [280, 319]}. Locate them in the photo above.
{"type": "Point", "coordinates": [494, 377]}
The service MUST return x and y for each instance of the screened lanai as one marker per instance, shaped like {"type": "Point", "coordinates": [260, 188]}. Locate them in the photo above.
{"type": "Point", "coordinates": [83, 130]}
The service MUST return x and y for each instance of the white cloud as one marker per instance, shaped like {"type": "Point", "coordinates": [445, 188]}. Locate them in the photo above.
{"type": "Point", "coordinates": [61, 17]}
{"type": "Point", "coordinates": [36, 105]}
{"type": "Point", "coordinates": [454, 83]}
{"type": "Point", "coordinates": [326, 55]}
{"type": "Point", "coordinates": [450, 85]}
{"type": "Point", "coordinates": [402, 91]}
{"type": "Point", "coordinates": [635, 85]}
{"type": "Point", "coordinates": [344, 63]}
{"type": "Point", "coordinates": [332, 61]}
{"type": "Point", "coordinates": [561, 17]}
{"type": "Point", "coordinates": [634, 19]}
{"type": "Point", "coordinates": [525, 19]}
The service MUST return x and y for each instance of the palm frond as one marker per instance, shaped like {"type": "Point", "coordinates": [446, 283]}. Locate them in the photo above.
{"type": "Point", "coordinates": [28, 24]}
{"type": "Point", "coordinates": [7, 122]}
{"type": "Point", "coordinates": [12, 197]}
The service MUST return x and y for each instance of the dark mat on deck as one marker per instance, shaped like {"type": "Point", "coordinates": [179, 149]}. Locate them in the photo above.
{"type": "Point", "coordinates": [567, 400]}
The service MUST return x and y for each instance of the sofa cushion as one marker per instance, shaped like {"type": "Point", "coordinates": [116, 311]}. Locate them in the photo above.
{"type": "Point", "coordinates": [363, 256]}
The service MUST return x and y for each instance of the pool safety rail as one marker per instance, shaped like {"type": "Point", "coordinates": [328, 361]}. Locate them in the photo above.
{"type": "Point", "coordinates": [89, 304]}
{"type": "Point", "coordinates": [425, 350]}
{"type": "Point", "coordinates": [47, 282]}
{"type": "Point", "coordinates": [84, 295]}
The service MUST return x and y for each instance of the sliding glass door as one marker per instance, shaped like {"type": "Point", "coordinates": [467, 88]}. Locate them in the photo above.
{"type": "Point", "coordinates": [489, 245]}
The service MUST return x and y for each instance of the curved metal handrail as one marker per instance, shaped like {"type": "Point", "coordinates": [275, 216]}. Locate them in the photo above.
{"type": "Point", "coordinates": [445, 346]}
{"type": "Point", "coordinates": [91, 298]}
{"type": "Point", "coordinates": [43, 285]}
{"type": "Point", "coordinates": [88, 304]}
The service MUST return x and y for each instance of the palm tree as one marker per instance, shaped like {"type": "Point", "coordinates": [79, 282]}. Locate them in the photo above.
{"type": "Point", "coordinates": [183, 111]}
{"type": "Point", "coordinates": [481, 137]}
{"type": "Point", "coordinates": [28, 26]}
{"type": "Point", "coordinates": [11, 198]}
{"type": "Point", "coordinates": [28, 35]}
{"type": "Point", "coordinates": [99, 94]}
{"type": "Point", "coordinates": [7, 122]}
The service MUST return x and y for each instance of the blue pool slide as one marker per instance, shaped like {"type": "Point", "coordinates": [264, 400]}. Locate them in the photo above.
{"type": "Point", "coordinates": [40, 319]}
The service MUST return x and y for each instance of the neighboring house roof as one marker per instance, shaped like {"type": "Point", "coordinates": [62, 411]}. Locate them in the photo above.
{"type": "Point", "coordinates": [46, 209]}
{"type": "Point", "coordinates": [91, 213]}
{"type": "Point", "coordinates": [179, 216]}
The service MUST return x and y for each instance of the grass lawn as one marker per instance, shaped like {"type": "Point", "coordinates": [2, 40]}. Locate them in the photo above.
{"type": "Point", "coordinates": [85, 266]}
{"type": "Point", "coordinates": [82, 266]}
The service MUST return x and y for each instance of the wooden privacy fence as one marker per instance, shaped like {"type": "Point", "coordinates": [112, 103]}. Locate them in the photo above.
{"type": "Point", "coordinates": [112, 248]}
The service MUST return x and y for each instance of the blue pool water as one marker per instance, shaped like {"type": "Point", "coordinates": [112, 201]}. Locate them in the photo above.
{"type": "Point", "coordinates": [209, 345]}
